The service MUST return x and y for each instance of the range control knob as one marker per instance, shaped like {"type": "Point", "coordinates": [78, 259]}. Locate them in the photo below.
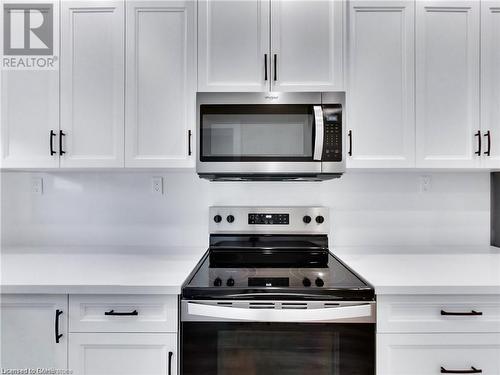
{"type": "Point", "coordinates": [319, 282]}
{"type": "Point", "coordinates": [306, 282]}
{"type": "Point", "coordinates": [217, 218]}
{"type": "Point", "coordinates": [230, 282]}
{"type": "Point", "coordinates": [230, 218]}
{"type": "Point", "coordinates": [306, 219]}
{"type": "Point", "coordinates": [320, 219]}
{"type": "Point", "coordinates": [218, 281]}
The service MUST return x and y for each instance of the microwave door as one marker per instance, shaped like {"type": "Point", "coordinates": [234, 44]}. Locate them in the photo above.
{"type": "Point", "coordinates": [319, 133]}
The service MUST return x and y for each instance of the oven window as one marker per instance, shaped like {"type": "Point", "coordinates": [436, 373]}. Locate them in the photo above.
{"type": "Point", "coordinates": [256, 132]}
{"type": "Point", "coordinates": [277, 349]}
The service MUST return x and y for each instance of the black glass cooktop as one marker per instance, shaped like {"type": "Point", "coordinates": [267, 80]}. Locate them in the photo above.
{"type": "Point", "coordinates": [264, 267]}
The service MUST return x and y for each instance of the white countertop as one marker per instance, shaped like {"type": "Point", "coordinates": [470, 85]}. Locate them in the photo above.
{"type": "Point", "coordinates": [428, 272]}
{"type": "Point", "coordinates": [97, 270]}
{"type": "Point", "coordinates": [163, 270]}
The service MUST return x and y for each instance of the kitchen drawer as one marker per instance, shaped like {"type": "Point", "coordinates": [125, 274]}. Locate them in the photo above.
{"type": "Point", "coordinates": [123, 313]}
{"type": "Point", "coordinates": [423, 314]}
{"type": "Point", "coordinates": [426, 354]}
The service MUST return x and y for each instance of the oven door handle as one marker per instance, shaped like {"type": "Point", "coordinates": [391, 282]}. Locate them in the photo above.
{"type": "Point", "coordinates": [319, 132]}
{"type": "Point", "coordinates": [353, 313]}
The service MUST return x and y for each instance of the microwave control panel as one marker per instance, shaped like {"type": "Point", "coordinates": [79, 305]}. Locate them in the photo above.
{"type": "Point", "coordinates": [332, 142]}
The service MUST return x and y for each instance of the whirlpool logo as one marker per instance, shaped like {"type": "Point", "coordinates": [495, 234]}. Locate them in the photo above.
{"type": "Point", "coordinates": [28, 36]}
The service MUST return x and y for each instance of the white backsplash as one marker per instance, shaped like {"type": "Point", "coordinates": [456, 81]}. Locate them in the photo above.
{"type": "Point", "coordinates": [119, 208]}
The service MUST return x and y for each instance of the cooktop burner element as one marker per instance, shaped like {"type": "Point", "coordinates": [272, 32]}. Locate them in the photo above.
{"type": "Point", "coordinates": [277, 252]}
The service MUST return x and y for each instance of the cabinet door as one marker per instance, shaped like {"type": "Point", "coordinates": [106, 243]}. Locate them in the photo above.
{"type": "Point", "coordinates": [307, 45]}
{"type": "Point", "coordinates": [381, 113]}
{"type": "Point", "coordinates": [30, 111]}
{"type": "Point", "coordinates": [490, 81]}
{"type": "Point", "coordinates": [123, 353]}
{"type": "Point", "coordinates": [426, 354]}
{"type": "Point", "coordinates": [161, 79]}
{"type": "Point", "coordinates": [233, 44]}
{"type": "Point", "coordinates": [28, 332]}
{"type": "Point", "coordinates": [92, 83]}
{"type": "Point", "coordinates": [447, 83]}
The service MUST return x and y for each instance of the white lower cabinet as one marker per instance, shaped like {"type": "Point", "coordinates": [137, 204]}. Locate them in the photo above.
{"type": "Point", "coordinates": [438, 334]}
{"type": "Point", "coordinates": [29, 324]}
{"type": "Point", "coordinates": [431, 354]}
{"type": "Point", "coordinates": [123, 353]}
{"type": "Point", "coordinates": [123, 334]}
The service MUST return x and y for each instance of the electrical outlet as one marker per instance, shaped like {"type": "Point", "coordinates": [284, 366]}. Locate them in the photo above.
{"type": "Point", "coordinates": [157, 185]}
{"type": "Point", "coordinates": [425, 183]}
{"type": "Point", "coordinates": [37, 185]}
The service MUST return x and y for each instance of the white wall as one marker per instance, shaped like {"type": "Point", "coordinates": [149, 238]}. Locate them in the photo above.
{"type": "Point", "coordinates": [118, 208]}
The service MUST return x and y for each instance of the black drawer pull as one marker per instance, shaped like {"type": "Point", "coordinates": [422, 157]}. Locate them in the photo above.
{"type": "Point", "coordinates": [472, 370]}
{"type": "Point", "coordinates": [190, 134]}
{"type": "Point", "coordinates": [469, 313]}
{"type": "Point", "coordinates": [113, 313]}
{"type": "Point", "coordinates": [58, 335]}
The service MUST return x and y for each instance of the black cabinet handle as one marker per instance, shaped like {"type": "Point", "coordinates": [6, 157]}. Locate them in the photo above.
{"type": "Point", "coordinates": [350, 143]}
{"type": "Point", "coordinates": [478, 135]}
{"type": "Point", "coordinates": [472, 370]}
{"type": "Point", "coordinates": [113, 313]}
{"type": "Point", "coordinates": [488, 138]}
{"type": "Point", "coordinates": [468, 313]}
{"type": "Point", "coordinates": [170, 354]}
{"type": "Point", "coordinates": [275, 67]}
{"type": "Point", "coordinates": [56, 325]}
{"type": "Point", "coordinates": [52, 135]}
{"type": "Point", "coordinates": [265, 67]}
{"type": "Point", "coordinates": [190, 134]}
{"type": "Point", "coordinates": [61, 135]}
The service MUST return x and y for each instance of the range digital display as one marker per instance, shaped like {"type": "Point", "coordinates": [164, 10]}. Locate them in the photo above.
{"type": "Point", "coordinates": [271, 219]}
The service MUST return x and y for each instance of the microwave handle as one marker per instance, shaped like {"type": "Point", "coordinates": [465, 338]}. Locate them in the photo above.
{"type": "Point", "coordinates": [320, 132]}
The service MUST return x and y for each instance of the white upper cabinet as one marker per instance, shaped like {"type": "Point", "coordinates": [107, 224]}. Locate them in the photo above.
{"type": "Point", "coordinates": [381, 110]}
{"type": "Point", "coordinates": [92, 83]}
{"type": "Point", "coordinates": [447, 83]}
{"type": "Point", "coordinates": [29, 324]}
{"type": "Point", "coordinates": [306, 45]}
{"type": "Point", "coordinates": [161, 83]}
{"type": "Point", "coordinates": [233, 44]}
{"type": "Point", "coordinates": [30, 111]}
{"type": "Point", "coordinates": [490, 83]}
{"type": "Point", "coordinates": [277, 45]}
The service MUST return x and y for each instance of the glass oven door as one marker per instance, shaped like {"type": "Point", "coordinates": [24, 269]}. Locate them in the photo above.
{"type": "Point", "coordinates": [258, 337]}
{"type": "Point", "coordinates": [257, 348]}
{"type": "Point", "coordinates": [257, 133]}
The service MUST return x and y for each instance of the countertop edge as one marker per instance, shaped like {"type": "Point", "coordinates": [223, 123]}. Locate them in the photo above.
{"type": "Point", "coordinates": [90, 289]}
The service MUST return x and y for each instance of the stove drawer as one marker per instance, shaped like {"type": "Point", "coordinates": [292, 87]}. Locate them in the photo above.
{"type": "Point", "coordinates": [123, 313]}
{"type": "Point", "coordinates": [438, 313]}
{"type": "Point", "coordinates": [432, 354]}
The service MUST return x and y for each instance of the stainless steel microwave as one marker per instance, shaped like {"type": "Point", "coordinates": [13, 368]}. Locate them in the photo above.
{"type": "Point", "coordinates": [270, 136]}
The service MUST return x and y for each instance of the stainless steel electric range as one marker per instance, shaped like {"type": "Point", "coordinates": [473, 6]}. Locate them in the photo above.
{"type": "Point", "coordinates": [269, 298]}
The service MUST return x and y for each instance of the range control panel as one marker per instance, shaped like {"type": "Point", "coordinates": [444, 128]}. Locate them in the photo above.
{"type": "Point", "coordinates": [272, 219]}
{"type": "Point", "coordinates": [295, 219]}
